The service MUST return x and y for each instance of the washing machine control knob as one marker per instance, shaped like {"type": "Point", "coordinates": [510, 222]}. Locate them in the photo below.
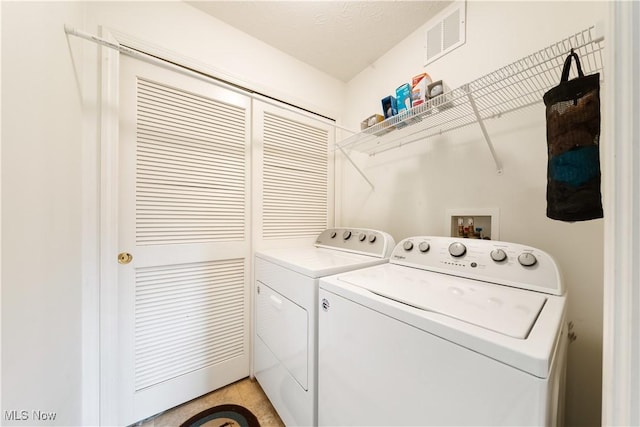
{"type": "Point", "coordinates": [424, 247]}
{"type": "Point", "coordinates": [407, 245]}
{"type": "Point", "coordinates": [498, 255]}
{"type": "Point", "coordinates": [346, 235]}
{"type": "Point", "coordinates": [457, 249]}
{"type": "Point", "coordinates": [333, 234]}
{"type": "Point", "coordinates": [362, 237]}
{"type": "Point", "coordinates": [372, 238]}
{"type": "Point", "coordinates": [527, 259]}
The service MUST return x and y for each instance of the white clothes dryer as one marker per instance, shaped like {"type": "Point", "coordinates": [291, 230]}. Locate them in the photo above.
{"type": "Point", "coordinates": [286, 295]}
{"type": "Point", "coordinates": [449, 332]}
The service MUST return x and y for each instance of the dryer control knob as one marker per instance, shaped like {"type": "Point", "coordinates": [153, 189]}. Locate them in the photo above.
{"type": "Point", "coordinates": [424, 247]}
{"type": "Point", "coordinates": [498, 255]}
{"type": "Point", "coordinates": [346, 235]}
{"type": "Point", "coordinates": [527, 259]}
{"type": "Point", "coordinates": [372, 238]}
{"type": "Point", "coordinates": [457, 249]}
{"type": "Point", "coordinates": [407, 245]}
{"type": "Point", "coordinates": [362, 237]}
{"type": "Point", "coordinates": [333, 234]}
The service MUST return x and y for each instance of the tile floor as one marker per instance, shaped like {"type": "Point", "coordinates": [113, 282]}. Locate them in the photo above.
{"type": "Point", "coordinates": [246, 392]}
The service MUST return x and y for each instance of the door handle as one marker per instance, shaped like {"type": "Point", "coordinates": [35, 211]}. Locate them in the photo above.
{"type": "Point", "coordinates": [124, 258]}
{"type": "Point", "coordinates": [276, 302]}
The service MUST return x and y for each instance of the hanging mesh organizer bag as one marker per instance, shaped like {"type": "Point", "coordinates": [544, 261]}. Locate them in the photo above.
{"type": "Point", "coordinates": [573, 133]}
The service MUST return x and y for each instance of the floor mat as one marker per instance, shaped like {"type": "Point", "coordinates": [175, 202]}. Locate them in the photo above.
{"type": "Point", "coordinates": [223, 416]}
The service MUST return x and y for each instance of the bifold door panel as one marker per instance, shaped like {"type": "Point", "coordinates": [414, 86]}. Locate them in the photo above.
{"type": "Point", "coordinates": [293, 176]}
{"type": "Point", "coordinates": [184, 169]}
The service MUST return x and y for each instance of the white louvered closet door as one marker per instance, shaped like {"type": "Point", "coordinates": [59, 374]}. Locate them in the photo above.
{"type": "Point", "coordinates": [293, 179]}
{"type": "Point", "coordinates": [184, 217]}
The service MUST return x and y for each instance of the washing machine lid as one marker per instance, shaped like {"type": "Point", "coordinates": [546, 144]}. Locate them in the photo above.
{"type": "Point", "coordinates": [508, 311]}
{"type": "Point", "coordinates": [318, 262]}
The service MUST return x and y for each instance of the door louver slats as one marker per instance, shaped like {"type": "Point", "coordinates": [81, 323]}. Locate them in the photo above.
{"type": "Point", "coordinates": [190, 167]}
{"type": "Point", "coordinates": [294, 196]}
{"type": "Point", "coordinates": [187, 317]}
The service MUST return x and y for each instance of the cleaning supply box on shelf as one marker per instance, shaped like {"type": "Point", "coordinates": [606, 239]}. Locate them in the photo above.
{"type": "Point", "coordinates": [419, 85]}
{"type": "Point", "coordinates": [371, 121]}
{"type": "Point", "coordinates": [403, 97]}
{"type": "Point", "coordinates": [435, 90]}
{"type": "Point", "coordinates": [389, 106]}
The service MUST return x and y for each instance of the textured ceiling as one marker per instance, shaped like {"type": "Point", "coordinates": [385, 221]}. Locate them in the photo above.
{"type": "Point", "coordinates": [340, 38]}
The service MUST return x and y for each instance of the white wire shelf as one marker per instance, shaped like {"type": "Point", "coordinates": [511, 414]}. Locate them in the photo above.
{"type": "Point", "coordinates": [512, 87]}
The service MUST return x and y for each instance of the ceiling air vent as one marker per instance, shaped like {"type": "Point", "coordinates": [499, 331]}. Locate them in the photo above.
{"type": "Point", "coordinates": [445, 32]}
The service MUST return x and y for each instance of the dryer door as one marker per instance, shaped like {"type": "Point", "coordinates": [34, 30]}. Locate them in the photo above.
{"type": "Point", "coordinates": [283, 327]}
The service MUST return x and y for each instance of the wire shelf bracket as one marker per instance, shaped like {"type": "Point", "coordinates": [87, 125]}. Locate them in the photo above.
{"type": "Point", "coordinates": [472, 102]}
{"type": "Point", "coordinates": [362, 174]}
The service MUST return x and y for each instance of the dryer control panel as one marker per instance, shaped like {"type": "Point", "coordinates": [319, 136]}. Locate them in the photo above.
{"type": "Point", "coordinates": [504, 263]}
{"type": "Point", "coordinates": [357, 240]}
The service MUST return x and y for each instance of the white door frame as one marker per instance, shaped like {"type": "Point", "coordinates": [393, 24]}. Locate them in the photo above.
{"type": "Point", "coordinates": [621, 329]}
{"type": "Point", "coordinates": [108, 292]}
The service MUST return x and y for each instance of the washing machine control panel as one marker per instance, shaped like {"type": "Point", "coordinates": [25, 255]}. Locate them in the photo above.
{"type": "Point", "coordinates": [504, 263]}
{"type": "Point", "coordinates": [357, 240]}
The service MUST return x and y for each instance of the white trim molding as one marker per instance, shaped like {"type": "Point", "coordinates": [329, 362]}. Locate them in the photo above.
{"type": "Point", "coordinates": [621, 341]}
{"type": "Point", "coordinates": [99, 314]}
{"type": "Point", "coordinates": [109, 366]}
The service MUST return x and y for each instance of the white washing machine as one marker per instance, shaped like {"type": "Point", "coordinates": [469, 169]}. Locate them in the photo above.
{"type": "Point", "coordinates": [286, 295]}
{"type": "Point", "coordinates": [449, 332]}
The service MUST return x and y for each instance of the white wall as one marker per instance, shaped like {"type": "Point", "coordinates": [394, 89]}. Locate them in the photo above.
{"type": "Point", "coordinates": [414, 185]}
{"type": "Point", "coordinates": [41, 213]}
{"type": "Point", "coordinates": [50, 176]}
{"type": "Point", "coordinates": [232, 55]}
